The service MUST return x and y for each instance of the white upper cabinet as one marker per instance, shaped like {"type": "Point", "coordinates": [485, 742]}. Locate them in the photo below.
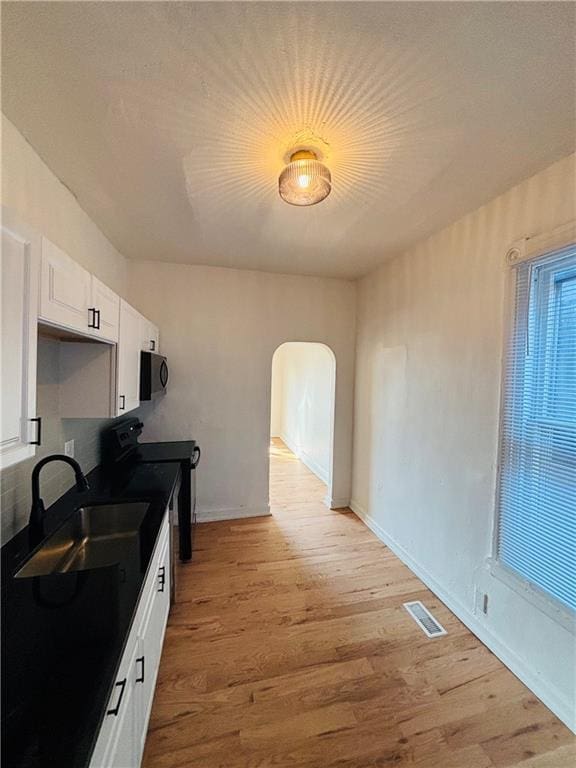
{"type": "Point", "coordinates": [129, 344]}
{"type": "Point", "coordinates": [40, 282]}
{"type": "Point", "coordinates": [65, 290]}
{"type": "Point", "coordinates": [72, 298]}
{"type": "Point", "coordinates": [104, 310]}
{"type": "Point", "coordinates": [150, 336]}
{"type": "Point", "coordinates": [20, 265]}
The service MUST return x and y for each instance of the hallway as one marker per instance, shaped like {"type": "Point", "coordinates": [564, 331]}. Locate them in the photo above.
{"type": "Point", "coordinates": [289, 646]}
{"type": "Point", "coordinates": [291, 482]}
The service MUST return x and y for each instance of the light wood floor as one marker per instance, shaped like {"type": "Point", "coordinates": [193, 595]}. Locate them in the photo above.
{"type": "Point", "coordinates": [289, 646]}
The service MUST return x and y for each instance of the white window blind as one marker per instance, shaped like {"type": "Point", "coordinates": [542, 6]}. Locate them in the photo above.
{"type": "Point", "coordinates": [536, 534]}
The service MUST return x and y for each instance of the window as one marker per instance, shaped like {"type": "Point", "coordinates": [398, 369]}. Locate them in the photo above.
{"type": "Point", "coordinates": [536, 531]}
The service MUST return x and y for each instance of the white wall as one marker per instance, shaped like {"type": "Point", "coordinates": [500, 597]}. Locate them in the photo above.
{"type": "Point", "coordinates": [277, 393]}
{"type": "Point", "coordinates": [30, 189]}
{"type": "Point", "coordinates": [40, 200]}
{"type": "Point", "coordinates": [220, 328]}
{"type": "Point", "coordinates": [429, 345]}
{"type": "Point", "coordinates": [303, 376]}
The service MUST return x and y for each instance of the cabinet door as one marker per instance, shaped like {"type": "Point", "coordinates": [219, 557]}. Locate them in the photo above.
{"type": "Point", "coordinates": [150, 336]}
{"type": "Point", "coordinates": [150, 644]}
{"type": "Point", "coordinates": [64, 290]}
{"type": "Point", "coordinates": [123, 748]}
{"type": "Point", "coordinates": [117, 744]}
{"type": "Point", "coordinates": [20, 265]}
{"type": "Point", "coordinates": [128, 359]}
{"type": "Point", "coordinates": [104, 311]}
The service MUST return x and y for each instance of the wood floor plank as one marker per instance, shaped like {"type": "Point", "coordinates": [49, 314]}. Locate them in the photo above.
{"type": "Point", "coordinates": [289, 647]}
{"type": "Point", "coordinates": [563, 757]}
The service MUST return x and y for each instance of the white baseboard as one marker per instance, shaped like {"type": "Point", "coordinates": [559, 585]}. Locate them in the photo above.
{"type": "Point", "coordinates": [239, 513]}
{"type": "Point", "coordinates": [307, 460]}
{"type": "Point", "coordinates": [545, 692]}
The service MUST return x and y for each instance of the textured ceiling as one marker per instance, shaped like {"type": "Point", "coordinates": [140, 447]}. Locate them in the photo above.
{"type": "Point", "coordinates": [171, 121]}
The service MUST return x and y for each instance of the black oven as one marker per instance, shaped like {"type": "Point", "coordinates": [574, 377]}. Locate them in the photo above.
{"type": "Point", "coordinates": [153, 375]}
{"type": "Point", "coordinates": [121, 451]}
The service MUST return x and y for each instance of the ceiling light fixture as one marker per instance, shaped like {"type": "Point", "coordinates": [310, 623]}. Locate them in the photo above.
{"type": "Point", "coordinates": [305, 180]}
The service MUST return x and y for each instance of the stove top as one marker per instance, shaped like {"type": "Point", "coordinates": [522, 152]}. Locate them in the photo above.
{"type": "Point", "coordinates": [121, 445]}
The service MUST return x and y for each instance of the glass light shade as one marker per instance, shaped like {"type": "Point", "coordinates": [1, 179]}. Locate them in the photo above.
{"type": "Point", "coordinates": [305, 180]}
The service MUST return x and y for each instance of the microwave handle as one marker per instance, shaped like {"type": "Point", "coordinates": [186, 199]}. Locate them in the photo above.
{"type": "Point", "coordinates": [163, 373]}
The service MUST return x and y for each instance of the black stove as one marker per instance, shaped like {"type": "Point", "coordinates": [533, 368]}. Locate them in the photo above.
{"type": "Point", "coordinates": [121, 450]}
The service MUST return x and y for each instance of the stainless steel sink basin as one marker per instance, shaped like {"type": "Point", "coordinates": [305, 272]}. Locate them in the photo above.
{"type": "Point", "coordinates": [92, 537]}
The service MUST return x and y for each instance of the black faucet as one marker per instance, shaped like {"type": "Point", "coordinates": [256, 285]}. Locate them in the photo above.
{"type": "Point", "coordinates": [38, 510]}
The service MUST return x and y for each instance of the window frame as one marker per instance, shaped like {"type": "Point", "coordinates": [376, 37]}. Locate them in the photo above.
{"type": "Point", "coordinates": [528, 590]}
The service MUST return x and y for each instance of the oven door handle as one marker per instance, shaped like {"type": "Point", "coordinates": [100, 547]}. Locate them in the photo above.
{"type": "Point", "coordinates": [196, 457]}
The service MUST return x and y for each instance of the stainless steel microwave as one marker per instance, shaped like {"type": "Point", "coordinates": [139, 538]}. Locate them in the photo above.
{"type": "Point", "coordinates": [153, 375]}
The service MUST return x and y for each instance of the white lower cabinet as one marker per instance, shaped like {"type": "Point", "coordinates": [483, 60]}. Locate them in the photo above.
{"type": "Point", "coordinates": [122, 736]}
{"type": "Point", "coordinates": [123, 706]}
{"type": "Point", "coordinates": [150, 645]}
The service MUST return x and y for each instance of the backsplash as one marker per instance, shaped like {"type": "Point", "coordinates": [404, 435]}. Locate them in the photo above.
{"type": "Point", "coordinates": [56, 478]}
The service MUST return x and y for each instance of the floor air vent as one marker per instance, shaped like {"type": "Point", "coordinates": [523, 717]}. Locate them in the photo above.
{"type": "Point", "coordinates": [424, 619]}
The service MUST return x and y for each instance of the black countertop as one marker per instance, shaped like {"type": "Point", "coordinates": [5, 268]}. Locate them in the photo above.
{"type": "Point", "coordinates": [63, 635]}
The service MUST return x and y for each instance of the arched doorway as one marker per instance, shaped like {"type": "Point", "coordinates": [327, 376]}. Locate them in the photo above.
{"type": "Point", "coordinates": [302, 407]}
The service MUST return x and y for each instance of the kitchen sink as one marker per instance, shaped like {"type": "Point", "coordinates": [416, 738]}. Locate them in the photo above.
{"type": "Point", "coordinates": [94, 536]}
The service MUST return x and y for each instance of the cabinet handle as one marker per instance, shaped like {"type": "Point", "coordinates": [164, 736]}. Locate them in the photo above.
{"type": "Point", "coordinates": [38, 440]}
{"type": "Point", "coordinates": [122, 685]}
{"type": "Point", "coordinates": [97, 312]}
{"type": "Point", "coordinates": [152, 345]}
{"type": "Point", "coordinates": [140, 660]}
{"type": "Point", "coordinates": [122, 402]}
{"type": "Point", "coordinates": [92, 323]}
{"type": "Point", "coordinates": [163, 374]}
{"type": "Point", "coordinates": [161, 578]}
